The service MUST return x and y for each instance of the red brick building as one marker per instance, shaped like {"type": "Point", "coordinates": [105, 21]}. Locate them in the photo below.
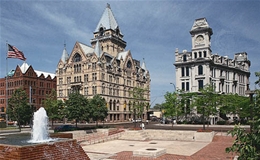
{"type": "Point", "coordinates": [24, 76]}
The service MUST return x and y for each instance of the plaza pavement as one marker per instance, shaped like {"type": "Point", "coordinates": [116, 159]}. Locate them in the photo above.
{"type": "Point", "coordinates": [107, 149]}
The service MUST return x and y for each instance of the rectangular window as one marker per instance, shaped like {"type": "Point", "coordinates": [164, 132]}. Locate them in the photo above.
{"type": "Point", "coordinates": [86, 91]}
{"type": "Point", "coordinates": [60, 80]}
{"type": "Point", "coordinates": [187, 86]}
{"type": "Point", "coordinates": [187, 71]}
{"type": "Point", "coordinates": [103, 76]}
{"type": "Point", "coordinates": [200, 84]}
{"type": "Point", "coordinates": [60, 93]}
{"type": "Point", "coordinates": [183, 86]}
{"type": "Point", "coordinates": [184, 58]}
{"type": "Point", "coordinates": [182, 72]}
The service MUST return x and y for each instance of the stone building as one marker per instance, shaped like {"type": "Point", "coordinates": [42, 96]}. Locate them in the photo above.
{"type": "Point", "coordinates": [104, 68]}
{"type": "Point", "coordinates": [200, 66]}
{"type": "Point", "coordinates": [25, 77]}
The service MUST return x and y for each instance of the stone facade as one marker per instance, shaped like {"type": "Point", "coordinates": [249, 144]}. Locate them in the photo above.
{"type": "Point", "coordinates": [200, 66]}
{"type": "Point", "coordinates": [104, 68]}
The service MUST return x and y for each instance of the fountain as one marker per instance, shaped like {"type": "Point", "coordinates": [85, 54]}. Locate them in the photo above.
{"type": "Point", "coordinates": [40, 146]}
{"type": "Point", "coordinates": [40, 131]}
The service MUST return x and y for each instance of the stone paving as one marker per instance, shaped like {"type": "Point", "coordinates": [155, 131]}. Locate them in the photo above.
{"type": "Point", "coordinates": [175, 150]}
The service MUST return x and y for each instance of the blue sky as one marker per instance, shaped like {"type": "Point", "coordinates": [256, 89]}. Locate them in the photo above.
{"type": "Point", "coordinates": [152, 30]}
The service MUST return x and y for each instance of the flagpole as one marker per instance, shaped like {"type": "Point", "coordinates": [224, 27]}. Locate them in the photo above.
{"type": "Point", "coordinates": [6, 84]}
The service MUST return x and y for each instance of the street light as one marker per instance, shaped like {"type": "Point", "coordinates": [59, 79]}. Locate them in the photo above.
{"type": "Point", "coordinates": [175, 101]}
{"type": "Point", "coordinates": [174, 86]}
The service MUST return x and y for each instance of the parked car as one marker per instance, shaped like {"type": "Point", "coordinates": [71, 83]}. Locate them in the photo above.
{"type": "Point", "coordinates": [64, 128]}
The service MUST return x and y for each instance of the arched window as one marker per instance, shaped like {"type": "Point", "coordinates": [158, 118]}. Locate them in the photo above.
{"type": "Point", "coordinates": [77, 58]}
{"type": "Point", "coordinates": [200, 69]}
{"type": "Point", "coordinates": [200, 54]}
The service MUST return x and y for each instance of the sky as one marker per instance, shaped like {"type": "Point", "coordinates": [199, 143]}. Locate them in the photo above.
{"type": "Point", "coordinates": [153, 29]}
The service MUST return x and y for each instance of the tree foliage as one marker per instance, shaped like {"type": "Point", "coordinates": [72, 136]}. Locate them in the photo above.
{"type": "Point", "coordinates": [235, 104]}
{"type": "Point", "coordinates": [158, 106]}
{"type": "Point", "coordinates": [53, 107]}
{"type": "Point", "coordinates": [18, 108]}
{"type": "Point", "coordinates": [247, 145]}
{"type": "Point", "coordinates": [257, 74]}
{"type": "Point", "coordinates": [77, 108]}
{"type": "Point", "coordinates": [139, 102]}
{"type": "Point", "coordinates": [99, 110]}
{"type": "Point", "coordinates": [206, 102]}
{"type": "Point", "coordinates": [171, 106]}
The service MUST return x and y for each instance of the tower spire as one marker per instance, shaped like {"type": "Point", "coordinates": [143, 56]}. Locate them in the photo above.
{"type": "Point", "coordinates": [108, 5]}
{"type": "Point", "coordinates": [108, 33]}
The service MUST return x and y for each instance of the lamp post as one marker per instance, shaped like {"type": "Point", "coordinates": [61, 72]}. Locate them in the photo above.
{"type": "Point", "coordinates": [174, 86]}
{"type": "Point", "coordinates": [251, 94]}
{"type": "Point", "coordinates": [175, 101]}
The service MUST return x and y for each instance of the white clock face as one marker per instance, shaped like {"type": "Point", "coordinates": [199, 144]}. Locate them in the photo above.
{"type": "Point", "coordinates": [199, 39]}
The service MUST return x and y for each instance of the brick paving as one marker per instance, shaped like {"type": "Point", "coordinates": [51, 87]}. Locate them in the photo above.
{"type": "Point", "coordinates": [213, 151]}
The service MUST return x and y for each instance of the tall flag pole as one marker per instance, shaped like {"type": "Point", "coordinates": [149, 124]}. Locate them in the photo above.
{"type": "Point", "coordinates": [11, 52]}
{"type": "Point", "coordinates": [6, 86]}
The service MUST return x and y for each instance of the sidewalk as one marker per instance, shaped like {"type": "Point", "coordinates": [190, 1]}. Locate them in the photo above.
{"type": "Point", "coordinates": [201, 125]}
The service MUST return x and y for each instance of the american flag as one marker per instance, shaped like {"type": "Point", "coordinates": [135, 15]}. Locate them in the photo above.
{"type": "Point", "coordinates": [13, 52]}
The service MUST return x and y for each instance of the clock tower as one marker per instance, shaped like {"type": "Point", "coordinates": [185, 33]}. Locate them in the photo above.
{"type": "Point", "coordinates": [200, 36]}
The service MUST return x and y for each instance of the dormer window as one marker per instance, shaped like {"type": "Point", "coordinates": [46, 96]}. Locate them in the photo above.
{"type": "Point", "coordinates": [77, 58]}
{"type": "Point", "coordinates": [101, 31]}
{"type": "Point", "coordinates": [129, 64]}
{"type": "Point", "coordinates": [117, 31]}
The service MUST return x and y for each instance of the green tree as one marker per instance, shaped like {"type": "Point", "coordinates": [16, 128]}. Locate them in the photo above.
{"type": "Point", "coordinates": [77, 108]}
{"type": "Point", "coordinates": [247, 145]}
{"type": "Point", "coordinates": [158, 106]}
{"type": "Point", "coordinates": [139, 102]}
{"type": "Point", "coordinates": [171, 107]}
{"type": "Point", "coordinates": [53, 107]}
{"type": "Point", "coordinates": [206, 102]}
{"type": "Point", "coordinates": [235, 104]}
{"type": "Point", "coordinates": [177, 104]}
{"type": "Point", "coordinates": [257, 74]}
{"type": "Point", "coordinates": [18, 108]}
{"type": "Point", "coordinates": [99, 110]}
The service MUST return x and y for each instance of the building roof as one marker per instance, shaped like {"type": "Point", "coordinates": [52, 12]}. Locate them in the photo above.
{"type": "Point", "coordinates": [200, 23]}
{"type": "Point", "coordinates": [24, 67]}
{"type": "Point", "coordinates": [46, 74]}
{"type": "Point", "coordinates": [98, 50]}
{"type": "Point", "coordinates": [65, 55]}
{"type": "Point", "coordinates": [122, 55]}
{"type": "Point", "coordinates": [86, 48]}
{"type": "Point", "coordinates": [143, 66]}
{"type": "Point", "coordinates": [107, 20]}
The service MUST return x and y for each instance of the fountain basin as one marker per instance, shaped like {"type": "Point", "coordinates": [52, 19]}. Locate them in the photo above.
{"type": "Point", "coordinates": [149, 152]}
{"type": "Point", "coordinates": [65, 149]}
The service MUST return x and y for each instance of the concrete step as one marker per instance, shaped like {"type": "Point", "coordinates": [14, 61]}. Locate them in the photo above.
{"type": "Point", "coordinates": [134, 135]}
